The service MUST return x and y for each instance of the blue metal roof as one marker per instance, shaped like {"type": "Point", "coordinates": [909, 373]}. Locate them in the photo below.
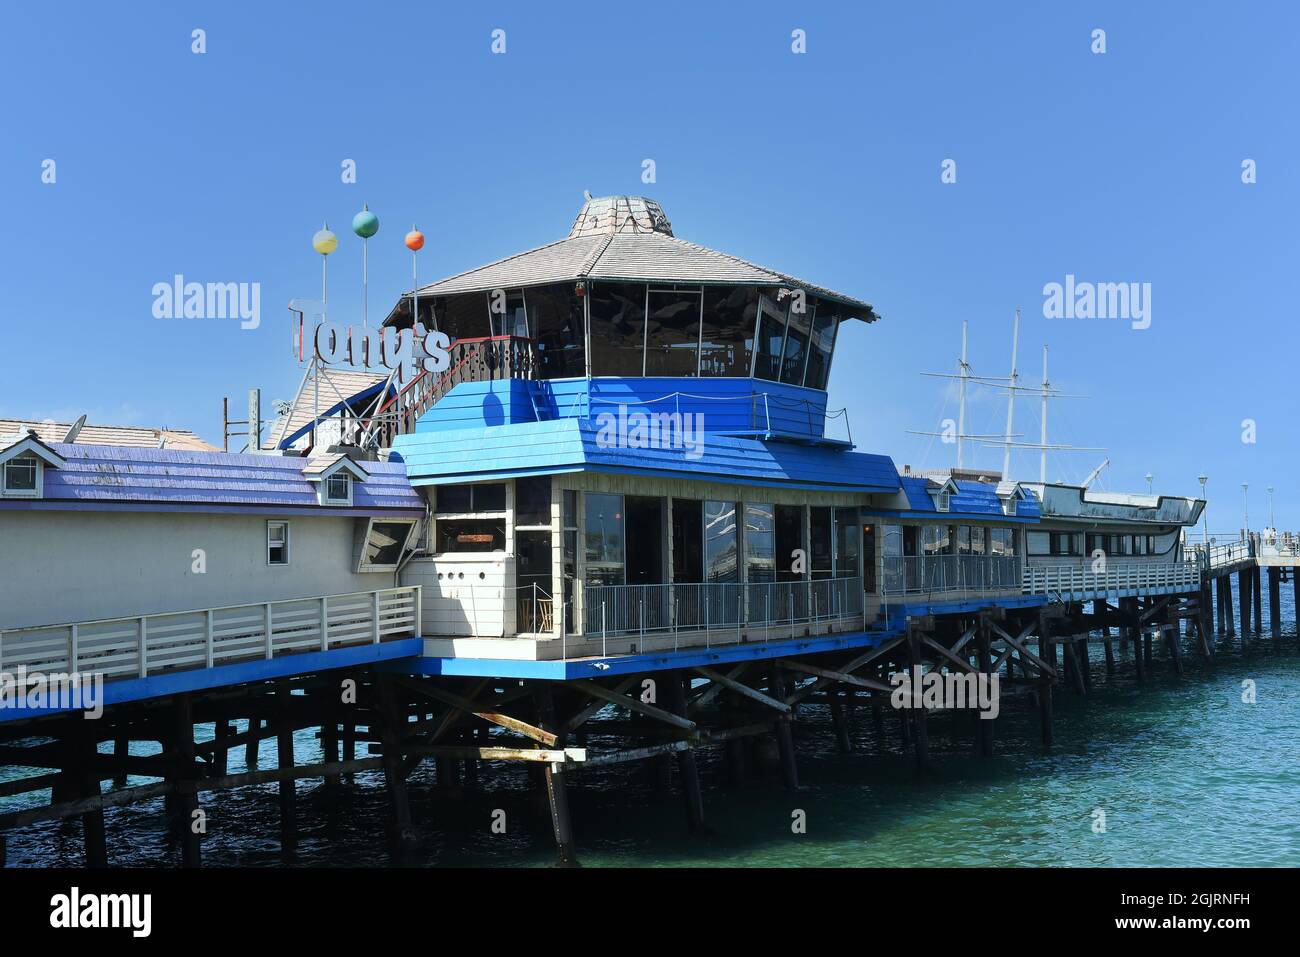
{"type": "Point", "coordinates": [971, 500]}
{"type": "Point", "coordinates": [568, 445]}
{"type": "Point", "coordinates": [108, 477]}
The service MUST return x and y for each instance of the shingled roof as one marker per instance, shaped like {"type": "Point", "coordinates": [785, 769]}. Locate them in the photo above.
{"type": "Point", "coordinates": [625, 239]}
{"type": "Point", "coordinates": [129, 436]}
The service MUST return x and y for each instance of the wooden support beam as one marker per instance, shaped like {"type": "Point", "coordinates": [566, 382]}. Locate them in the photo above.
{"type": "Point", "coordinates": [687, 771]}
{"type": "Point", "coordinates": [1025, 654]}
{"type": "Point", "coordinates": [589, 687]}
{"type": "Point", "coordinates": [961, 663]}
{"type": "Point", "coordinates": [391, 715]}
{"type": "Point", "coordinates": [984, 725]}
{"type": "Point", "coordinates": [186, 773]}
{"type": "Point", "coordinates": [466, 705]}
{"type": "Point", "coordinates": [753, 694]}
{"type": "Point", "coordinates": [713, 690]}
{"type": "Point", "coordinates": [828, 676]}
{"type": "Point", "coordinates": [590, 711]}
{"type": "Point", "coordinates": [632, 754]}
{"type": "Point", "coordinates": [852, 665]}
{"type": "Point", "coordinates": [1275, 603]}
{"type": "Point", "coordinates": [784, 739]}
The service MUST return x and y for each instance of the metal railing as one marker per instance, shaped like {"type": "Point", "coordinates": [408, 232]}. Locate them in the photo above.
{"type": "Point", "coordinates": [706, 606]}
{"type": "Point", "coordinates": [144, 645]}
{"type": "Point", "coordinates": [1218, 554]}
{"type": "Point", "coordinates": [938, 574]}
{"type": "Point", "coordinates": [1135, 576]}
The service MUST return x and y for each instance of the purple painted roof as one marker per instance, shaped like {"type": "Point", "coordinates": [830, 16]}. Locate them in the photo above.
{"type": "Point", "coordinates": [108, 476]}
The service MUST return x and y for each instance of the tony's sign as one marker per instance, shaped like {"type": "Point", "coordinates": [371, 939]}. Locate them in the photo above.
{"type": "Point", "coordinates": [376, 350]}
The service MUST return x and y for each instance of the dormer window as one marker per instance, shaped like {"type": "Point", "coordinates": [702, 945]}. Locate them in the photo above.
{"type": "Point", "coordinates": [22, 477]}
{"type": "Point", "coordinates": [942, 500]}
{"type": "Point", "coordinates": [23, 464]}
{"type": "Point", "coordinates": [335, 477]}
{"type": "Point", "coordinates": [338, 489]}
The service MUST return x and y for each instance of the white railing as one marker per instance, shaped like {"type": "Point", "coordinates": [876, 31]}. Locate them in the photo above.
{"type": "Point", "coordinates": [1138, 576]}
{"type": "Point", "coordinates": [938, 574]}
{"type": "Point", "coordinates": [151, 644]}
{"type": "Point", "coordinates": [1218, 554]}
{"type": "Point", "coordinates": [704, 606]}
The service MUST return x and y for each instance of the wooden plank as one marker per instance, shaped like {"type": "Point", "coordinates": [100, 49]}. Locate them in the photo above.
{"type": "Point", "coordinates": [587, 713]}
{"type": "Point", "coordinates": [464, 704]}
{"type": "Point", "coordinates": [954, 659]}
{"type": "Point", "coordinates": [634, 754]}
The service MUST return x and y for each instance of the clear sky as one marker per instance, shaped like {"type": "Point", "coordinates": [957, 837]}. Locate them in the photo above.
{"type": "Point", "coordinates": [1124, 166]}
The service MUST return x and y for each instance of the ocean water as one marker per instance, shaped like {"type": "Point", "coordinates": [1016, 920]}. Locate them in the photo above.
{"type": "Point", "coordinates": [1185, 772]}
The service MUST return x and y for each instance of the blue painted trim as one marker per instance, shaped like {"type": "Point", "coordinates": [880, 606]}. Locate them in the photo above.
{"type": "Point", "coordinates": [964, 516]}
{"type": "Point", "coordinates": [215, 508]}
{"type": "Point", "coordinates": [202, 679]}
{"type": "Point", "coordinates": [922, 606]}
{"type": "Point", "coordinates": [636, 664]}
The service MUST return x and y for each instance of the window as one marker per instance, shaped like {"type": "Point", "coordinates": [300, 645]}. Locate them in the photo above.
{"type": "Point", "coordinates": [604, 539]}
{"type": "Point", "coordinates": [21, 477]}
{"type": "Point", "coordinates": [760, 543]}
{"type": "Point", "coordinates": [847, 543]}
{"type": "Point", "coordinates": [673, 332]}
{"type": "Point", "coordinates": [507, 313]}
{"type": "Point", "coordinates": [1139, 544]}
{"type": "Point", "coordinates": [1066, 543]}
{"type": "Point", "coordinates": [555, 321]}
{"type": "Point", "coordinates": [935, 540]}
{"type": "Point", "coordinates": [1094, 543]}
{"type": "Point", "coordinates": [385, 542]}
{"type": "Point", "coordinates": [824, 324]}
{"type": "Point", "coordinates": [277, 543]}
{"type": "Point", "coordinates": [727, 339]}
{"type": "Point", "coordinates": [820, 541]}
{"type": "Point", "coordinates": [720, 548]}
{"type": "Point", "coordinates": [977, 539]}
{"type": "Point", "coordinates": [533, 502]}
{"type": "Point", "coordinates": [795, 354]}
{"type": "Point", "coordinates": [338, 489]}
{"type": "Point", "coordinates": [617, 312]}
{"type": "Point", "coordinates": [1002, 541]}
{"type": "Point", "coordinates": [942, 500]}
{"type": "Point", "coordinates": [688, 540]}
{"type": "Point", "coordinates": [771, 339]}
{"type": "Point", "coordinates": [471, 499]}
{"type": "Point", "coordinates": [471, 535]}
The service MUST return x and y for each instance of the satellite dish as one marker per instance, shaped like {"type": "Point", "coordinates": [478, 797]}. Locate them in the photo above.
{"type": "Point", "coordinates": [74, 431]}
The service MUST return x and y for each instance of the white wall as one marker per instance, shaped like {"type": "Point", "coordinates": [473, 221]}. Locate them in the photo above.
{"type": "Point", "coordinates": [465, 595]}
{"type": "Point", "coordinates": [77, 566]}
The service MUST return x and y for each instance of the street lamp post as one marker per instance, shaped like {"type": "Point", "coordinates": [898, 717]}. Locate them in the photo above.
{"type": "Point", "coordinates": [1245, 506]}
{"type": "Point", "coordinates": [1149, 478]}
{"type": "Point", "coordinates": [1271, 523]}
{"type": "Point", "coordinates": [1205, 510]}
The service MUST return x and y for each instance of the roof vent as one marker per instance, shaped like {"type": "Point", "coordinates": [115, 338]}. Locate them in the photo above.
{"type": "Point", "coordinates": [603, 215]}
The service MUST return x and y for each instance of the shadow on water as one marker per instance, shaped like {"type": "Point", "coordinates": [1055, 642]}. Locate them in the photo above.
{"type": "Point", "coordinates": [1181, 772]}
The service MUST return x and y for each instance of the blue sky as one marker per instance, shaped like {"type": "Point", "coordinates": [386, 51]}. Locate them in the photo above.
{"type": "Point", "coordinates": [1119, 167]}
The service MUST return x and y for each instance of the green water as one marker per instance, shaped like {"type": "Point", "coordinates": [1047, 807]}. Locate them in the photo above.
{"type": "Point", "coordinates": [1185, 771]}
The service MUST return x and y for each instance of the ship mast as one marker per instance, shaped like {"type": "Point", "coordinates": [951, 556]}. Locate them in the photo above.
{"type": "Point", "coordinates": [964, 374]}
{"type": "Point", "coordinates": [1011, 399]}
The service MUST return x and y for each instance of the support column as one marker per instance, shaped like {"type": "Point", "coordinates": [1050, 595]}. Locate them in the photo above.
{"type": "Point", "coordinates": [784, 739]}
{"type": "Point", "coordinates": [842, 739]}
{"type": "Point", "coordinates": [920, 734]}
{"type": "Point", "coordinates": [252, 750]}
{"type": "Point", "coordinates": [1274, 603]}
{"type": "Point", "coordinates": [284, 756]}
{"type": "Point", "coordinates": [983, 725]}
{"type": "Point", "coordinates": [1229, 618]}
{"type": "Point", "coordinates": [390, 725]}
{"type": "Point", "coordinates": [1246, 588]}
{"type": "Point", "coordinates": [687, 771]}
{"type": "Point", "coordinates": [187, 795]}
{"type": "Point", "coordinates": [557, 794]}
{"type": "Point", "coordinates": [1045, 682]}
{"type": "Point", "coordinates": [1257, 584]}
{"type": "Point", "coordinates": [82, 754]}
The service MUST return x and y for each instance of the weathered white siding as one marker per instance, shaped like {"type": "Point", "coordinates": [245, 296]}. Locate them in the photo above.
{"type": "Point", "coordinates": [465, 595]}
{"type": "Point", "coordinates": [78, 566]}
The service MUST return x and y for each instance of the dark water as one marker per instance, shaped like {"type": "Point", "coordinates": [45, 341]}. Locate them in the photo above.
{"type": "Point", "coordinates": [1186, 773]}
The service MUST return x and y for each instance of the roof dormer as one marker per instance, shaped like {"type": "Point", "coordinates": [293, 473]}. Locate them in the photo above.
{"type": "Point", "coordinates": [1011, 494]}
{"type": "Point", "coordinates": [942, 496]}
{"type": "Point", "coordinates": [22, 466]}
{"type": "Point", "coordinates": [334, 476]}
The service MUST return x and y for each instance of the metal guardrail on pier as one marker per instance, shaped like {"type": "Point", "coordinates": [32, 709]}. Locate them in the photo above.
{"type": "Point", "coordinates": [147, 645]}
{"type": "Point", "coordinates": [702, 606]}
{"type": "Point", "coordinates": [938, 574]}
{"type": "Point", "coordinates": [1080, 580]}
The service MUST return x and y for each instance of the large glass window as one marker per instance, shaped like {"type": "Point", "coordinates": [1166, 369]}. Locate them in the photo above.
{"type": "Point", "coordinates": [508, 314]}
{"type": "Point", "coordinates": [688, 540]}
{"type": "Point", "coordinates": [467, 499]}
{"type": "Point", "coordinates": [471, 535]}
{"type": "Point", "coordinates": [533, 501]}
{"type": "Point", "coordinates": [1002, 541]}
{"type": "Point", "coordinates": [384, 543]}
{"type": "Point", "coordinates": [820, 541]}
{"type": "Point", "coordinates": [789, 540]}
{"type": "Point", "coordinates": [727, 347]}
{"type": "Point", "coordinates": [535, 608]}
{"type": "Point", "coordinates": [847, 543]}
{"type": "Point", "coordinates": [555, 321]}
{"type": "Point", "coordinates": [935, 540]}
{"type": "Point", "coordinates": [760, 543]}
{"type": "Point", "coordinates": [824, 323]}
{"type": "Point", "coordinates": [461, 317]}
{"type": "Point", "coordinates": [771, 338]}
{"type": "Point", "coordinates": [720, 549]}
{"type": "Point", "coordinates": [617, 328]}
{"type": "Point", "coordinates": [795, 354]}
{"type": "Point", "coordinates": [604, 539]}
{"type": "Point", "coordinates": [673, 332]}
